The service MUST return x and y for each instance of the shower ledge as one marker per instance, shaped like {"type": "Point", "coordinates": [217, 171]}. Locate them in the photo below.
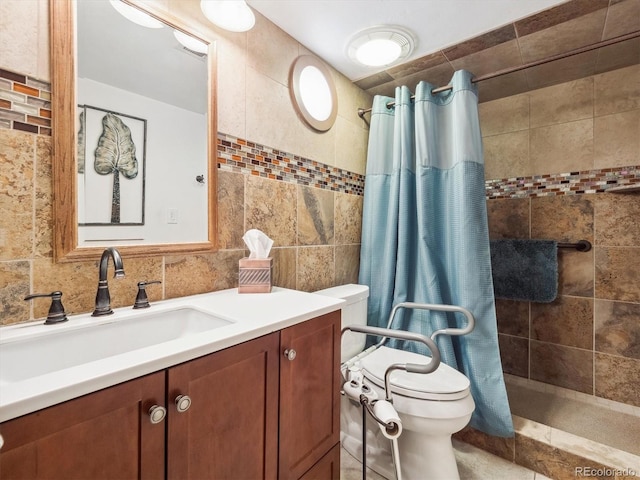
{"type": "Point", "coordinates": [592, 450]}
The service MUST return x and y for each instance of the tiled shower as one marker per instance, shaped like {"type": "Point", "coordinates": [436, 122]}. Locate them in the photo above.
{"type": "Point", "coordinates": [588, 339]}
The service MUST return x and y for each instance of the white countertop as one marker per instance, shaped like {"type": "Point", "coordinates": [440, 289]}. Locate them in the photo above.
{"type": "Point", "coordinates": [251, 316]}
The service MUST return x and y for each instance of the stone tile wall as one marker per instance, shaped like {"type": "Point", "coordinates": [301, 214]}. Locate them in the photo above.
{"type": "Point", "coordinates": [588, 339]}
{"type": "Point", "coordinates": [316, 232]}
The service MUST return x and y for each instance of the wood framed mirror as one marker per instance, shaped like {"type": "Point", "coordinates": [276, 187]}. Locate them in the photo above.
{"type": "Point", "coordinates": [75, 235]}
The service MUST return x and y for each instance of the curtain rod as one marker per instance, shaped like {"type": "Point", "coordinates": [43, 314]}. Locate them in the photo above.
{"type": "Point", "coordinates": [560, 56]}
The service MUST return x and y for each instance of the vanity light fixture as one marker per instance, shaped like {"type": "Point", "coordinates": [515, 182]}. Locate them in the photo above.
{"type": "Point", "coordinates": [313, 92]}
{"type": "Point", "coordinates": [232, 15]}
{"type": "Point", "coordinates": [134, 15]}
{"type": "Point", "coordinates": [381, 46]}
{"type": "Point", "coordinates": [191, 43]}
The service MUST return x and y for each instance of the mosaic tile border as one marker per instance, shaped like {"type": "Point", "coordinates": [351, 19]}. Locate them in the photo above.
{"type": "Point", "coordinates": [588, 181]}
{"type": "Point", "coordinates": [25, 103]}
{"type": "Point", "coordinates": [242, 156]}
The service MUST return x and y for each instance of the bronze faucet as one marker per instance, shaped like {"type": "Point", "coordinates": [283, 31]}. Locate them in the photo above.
{"type": "Point", "coordinates": [103, 299]}
{"type": "Point", "coordinates": [56, 310]}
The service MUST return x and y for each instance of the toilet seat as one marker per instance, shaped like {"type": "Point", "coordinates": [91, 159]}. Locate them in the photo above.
{"type": "Point", "coordinates": [445, 384]}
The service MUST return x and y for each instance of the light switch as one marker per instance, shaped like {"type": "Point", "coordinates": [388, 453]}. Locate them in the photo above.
{"type": "Point", "coordinates": [172, 215]}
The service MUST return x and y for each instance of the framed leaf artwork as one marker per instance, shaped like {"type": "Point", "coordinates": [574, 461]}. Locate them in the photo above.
{"type": "Point", "coordinates": [111, 167]}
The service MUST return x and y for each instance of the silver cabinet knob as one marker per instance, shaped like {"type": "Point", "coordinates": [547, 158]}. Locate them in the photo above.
{"type": "Point", "coordinates": [157, 413]}
{"type": "Point", "coordinates": [183, 402]}
{"type": "Point", "coordinates": [290, 354]}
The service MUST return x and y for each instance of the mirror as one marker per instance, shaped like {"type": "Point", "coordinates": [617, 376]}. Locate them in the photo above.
{"type": "Point", "coordinates": [134, 132]}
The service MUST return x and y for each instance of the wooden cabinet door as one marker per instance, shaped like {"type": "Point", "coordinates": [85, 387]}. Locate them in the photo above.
{"type": "Point", "coordinates": [328, 468]}
{"type": "Point", "coordinates": [309, 394]}
{"type": "Point", "coordinates": [103, 435]}
{"type": "Point", "coordinates": [231, 429]}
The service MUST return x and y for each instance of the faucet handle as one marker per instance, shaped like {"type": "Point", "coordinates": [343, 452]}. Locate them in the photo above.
{"type": "Point", "coordinates": [141, 299]}
{"type": "Point", "coordinates": [56, 310]}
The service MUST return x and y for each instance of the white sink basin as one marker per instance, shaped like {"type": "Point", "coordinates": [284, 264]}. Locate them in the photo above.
{"type": "Point", "coordinates": [65, 346]}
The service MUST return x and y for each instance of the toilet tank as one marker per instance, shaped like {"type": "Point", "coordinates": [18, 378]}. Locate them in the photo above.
{"type": "Point", "coordinates": [353, 312]}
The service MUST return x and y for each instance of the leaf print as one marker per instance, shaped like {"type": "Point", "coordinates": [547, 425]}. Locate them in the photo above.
{"type": "Point", "coordinates": [115, 154]}
{"type": "Point", "coordinates": [81, 146]}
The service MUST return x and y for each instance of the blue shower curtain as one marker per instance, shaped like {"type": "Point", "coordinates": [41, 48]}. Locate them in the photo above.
{"type": "Point", "coordinates": [425, 235]}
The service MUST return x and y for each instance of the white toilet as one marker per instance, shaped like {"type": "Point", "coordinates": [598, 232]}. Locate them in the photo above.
{"type": "Point", "coordinates": [431, 406]}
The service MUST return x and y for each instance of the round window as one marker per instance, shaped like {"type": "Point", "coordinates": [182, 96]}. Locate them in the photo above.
{"type": "Point", "coordinates": [313, 93]}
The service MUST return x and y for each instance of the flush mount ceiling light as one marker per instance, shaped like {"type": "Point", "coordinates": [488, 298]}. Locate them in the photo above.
{"type": "Point", "coordinates": [191, 43]}
{"type": "Point", "coordinates": [135, 15]}
{"type": "Point", "coordinates": [380, 46]}
{"type": "Point", "coordinates": [232, 15]}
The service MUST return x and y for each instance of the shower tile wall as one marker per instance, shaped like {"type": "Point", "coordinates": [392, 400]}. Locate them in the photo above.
{"type": "Point", "coordinates": [588, 339]}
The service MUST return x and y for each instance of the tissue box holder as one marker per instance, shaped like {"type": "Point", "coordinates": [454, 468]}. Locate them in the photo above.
{"type": "Point", "coordinates": [255, 275]}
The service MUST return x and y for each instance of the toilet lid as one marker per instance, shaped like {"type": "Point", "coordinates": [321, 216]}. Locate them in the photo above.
{"type": "Point", "coordinates": [446, 383]}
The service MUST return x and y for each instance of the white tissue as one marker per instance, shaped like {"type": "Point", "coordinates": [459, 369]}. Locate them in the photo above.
{"type": "Point", "coordinates": [258, 243]}
{"type": "Point", "coordinates": [386, 412]}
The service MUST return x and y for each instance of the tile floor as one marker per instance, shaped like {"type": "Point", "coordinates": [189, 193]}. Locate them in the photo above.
{"type": "Point", "coordinates": [473, 464]}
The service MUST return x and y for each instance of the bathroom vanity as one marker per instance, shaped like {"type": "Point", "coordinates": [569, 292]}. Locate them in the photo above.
{"type": "Point", "coordinates": [262, 402]}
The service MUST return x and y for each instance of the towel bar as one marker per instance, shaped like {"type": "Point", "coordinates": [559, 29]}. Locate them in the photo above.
{"type": "Point", "coordinates": [581, 246]}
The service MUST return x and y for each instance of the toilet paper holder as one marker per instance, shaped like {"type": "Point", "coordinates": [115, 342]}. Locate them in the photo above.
{"type": "Point", "coordinates": [392, 429]}
{"type": "Point", "coordinates": [368, 398]}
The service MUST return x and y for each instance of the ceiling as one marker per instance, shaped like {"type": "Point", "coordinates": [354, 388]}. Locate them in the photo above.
{"type": "Point", "coordinates": [155, 65]}
{"type": "Point", "coordinates": [325, 26]}
{"type": "Point", "coordinates": [482, 36]}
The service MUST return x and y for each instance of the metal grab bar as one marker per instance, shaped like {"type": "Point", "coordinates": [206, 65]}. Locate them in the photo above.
{"type": "Point", "coordinates": [409, 367]}
{"type": "Point", "coordinates": [468, 328]}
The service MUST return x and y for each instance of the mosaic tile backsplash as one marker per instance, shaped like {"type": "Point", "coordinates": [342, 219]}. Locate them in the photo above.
{"type": "Point", "coordinates": [242, 156]}
{"type": "Point", "coordinates": [25, 103]}
{"type": "Point", "coordinates": [589, 181]}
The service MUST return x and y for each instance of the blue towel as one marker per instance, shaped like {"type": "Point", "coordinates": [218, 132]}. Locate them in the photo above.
{"type": "Point", "coordinates": [525, 270]}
